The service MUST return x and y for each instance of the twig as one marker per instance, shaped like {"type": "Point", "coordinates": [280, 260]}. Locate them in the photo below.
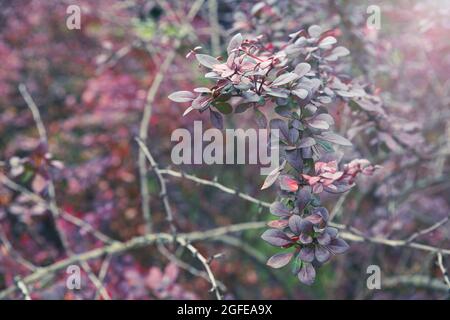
{"type": "Point", "coordinates": [205, 262]}
{"type": "Point", "coordinates": [64, 215]}
{"type": "Point", "coordinates": [143, 129]}
{"type": "Point", "coordinates": [13, 253]}
{"type": "Point", "coordinates": [414, 280]}
{"type": "Point", "coordinates": [183, 265]}
{"type": "Point", "coordinates": [214, 184]}
{"type": "Point", "coordinates": [53, 207]}
{"type": "Point", "coordinates": [428, 230]}
{"type": "Point", "coordinates": [162, 184]}
{"type": "Point", "coordinates": [443, 270]}
{"type": "Point", "coordinates": [215, 27]}
{"type": "Point", "coordinates": [22, 288]}
{"type": "Point", "coordinates": [102, 273]}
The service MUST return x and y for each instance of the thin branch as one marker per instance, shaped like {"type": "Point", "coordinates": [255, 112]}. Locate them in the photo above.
{"type": "Point", "coordinates": [435, 226]}
{"type": "Point", "coordinates": [214, 184]}
{"type": "Point", "coordinates": [22, 288]}
{"type": "Point", "coordinates": [64, 215]}
{"type": "Point", "coordinates": [53, 207]}
{"type": "Point", "coordinates": [215, 27]}
{"type": "Point", "coordinates": [162, 183]}
{"type": "Point", "coordinates": [13, 253]}
{"type": "Point", "coordinates": [102, 273]}
{"type": "Point", "coordinates": [443, 270]}
{"type": "Point", "coordinates": [183, 265]}
{"type": "Point", "coordinates": [143, 129]}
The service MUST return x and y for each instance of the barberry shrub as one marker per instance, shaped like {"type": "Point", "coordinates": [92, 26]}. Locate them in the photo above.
{"type": "Point", "coordinates": [298, 79]}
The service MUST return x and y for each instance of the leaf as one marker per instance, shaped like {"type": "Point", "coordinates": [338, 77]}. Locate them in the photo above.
{"type": "Point", "coordinates": [285, 78]}
{"type": "Point", "coordinates": [283, 111]}
{"type": "Point", "coordinates": [318, 124]}
{"type": "Point", "coordinates": [224, 107]}
{"type": "Point", "coordinates": [337, 53]}
{"type": "Point", "coordinates": [303, 198]}
{"type": "Point", "coordinates": [277, 93]}
{"type": "Point", "coordinates": [307, 274]}
{"type": "Point", "coordinates": [335, 138]}
{"type": "Point", "coordinates": [279, 209]}
{"type": "Point", "coordinates": [307, 142]}
{"type": "Point", "coordinates": [294, 158]}
{"type": "Point", "coordinates": [302, 68]}
{"type": "Point", "coordinates": [281, 126]}
{"type": "Point", "coordinates": [182, 96]}
{"type": "Point", "coordinates": [306, 254]}
{"type": "Point", "coordinates": [279, 260]}
{"type": "Point", "coordinates": [202, 90]}
{"type": "Point", "coordinates": [270, 179]}
{"type": "Point", "coordinates": [207, 60]}
{"type": "Point", "coordinates": [315, 31]}
{"type": "Point", "coordinates": [187, 111]}
{"type": "Point", "coordinates": [325, 117]}
{"type": "Point", "coordinates": [260, 119]}
{"type": "Point", "coordinates": [240, 108]}
{"type": "Point", "coordinates": [278, 224]}
{"type": "Point", "coordinates": [322, 254]}
{"type": "Point", "coordinates": [216, 119]}
{"type": "Point", "coordinates": [338, 246]}
{"type": "Point", "coordinates": [276, 238]}
{"type": "Point", "coordinates": [301, 93]}
{"type": "Point", "coordinates": [288, 183]}
{"type": "Point", "coordinates": [326, 42]}
{"type": "Point", "coordinates": [235, 43]}
{"type": "Point", "coordinates": [296, 224]}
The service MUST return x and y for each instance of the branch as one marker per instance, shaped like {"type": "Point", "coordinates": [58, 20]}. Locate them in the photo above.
{"type": "Point", "coordinates": [53, 207]}
{"type": "Point", "coordinates": [443, 270]}
{"type": "Point", "coordinates": [143, 129]}
{"type": "Point", "coordinates": [162, 184]}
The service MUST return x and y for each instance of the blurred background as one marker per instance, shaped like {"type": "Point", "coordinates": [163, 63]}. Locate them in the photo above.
{"type": "Point", "coordinates": [91, 86]}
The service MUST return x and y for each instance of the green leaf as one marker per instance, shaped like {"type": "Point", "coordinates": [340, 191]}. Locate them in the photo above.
{"type": "Point", "coordinates": [224, 107]}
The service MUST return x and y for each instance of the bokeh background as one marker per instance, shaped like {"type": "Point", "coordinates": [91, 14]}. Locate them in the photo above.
{"type": "Point", "coordinates": [91, 87]}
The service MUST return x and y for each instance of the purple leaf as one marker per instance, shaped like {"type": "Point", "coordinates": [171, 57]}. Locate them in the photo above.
{"type": "Point", "coordinates": [318, 124]}
{"type": "Point", "coordinates": [216, 119]}
{"type": "Point", "coordinates": [278, 224]}
{"type": "Point", "coordinates": [324, 239]}
{"type": "Point", "coordinates": [338, 246]}
{"type": "Point", "coordinates": [306, 254]}
{"type": "Point", "coordinates": [307, 142]}
{"type": "Point", "coordinates": [301, 69]}
{"type": "Point", "coordinates": [285, 78]}
{"type": "Point", "coordinates": [276, 238]}
{"type": "Point", "coordinates": [279, 209]}
{"type": "Point", "coordinates": [288, 183]}
{"type": "Point", "coordinates": [322, 254]}
{"type": "Point", "coordinates": [279, 260]}
{"type": "Point", "coordinates": [235, 43]}
{"type": "Point", "coordinates": [335, 138]}
{"type": "Point", "coordinates": [182, 96]}
{"type": "Point", "coordinates": [307, 274]}
{"type": "Point", "coordinates": [207, 60]}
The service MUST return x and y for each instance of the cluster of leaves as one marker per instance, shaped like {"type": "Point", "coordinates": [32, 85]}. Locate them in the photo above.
{"type": "Point", "coordinates": [298, 82]}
